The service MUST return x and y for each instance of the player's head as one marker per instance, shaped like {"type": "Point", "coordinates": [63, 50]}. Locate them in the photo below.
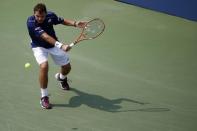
{"type": "Point", "coordinates": [40, 12]}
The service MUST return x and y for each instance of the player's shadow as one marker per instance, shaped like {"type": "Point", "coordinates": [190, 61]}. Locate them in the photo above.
{"type": "Point", "coordinates": [97, 102]}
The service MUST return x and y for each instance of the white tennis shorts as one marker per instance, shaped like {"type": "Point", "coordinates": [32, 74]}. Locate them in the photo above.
{"type": "Point", "coordinates": [59, 56]}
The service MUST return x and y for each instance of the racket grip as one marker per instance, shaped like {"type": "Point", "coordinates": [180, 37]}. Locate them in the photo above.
{"type": "Point", "coordinates": [72, 44]}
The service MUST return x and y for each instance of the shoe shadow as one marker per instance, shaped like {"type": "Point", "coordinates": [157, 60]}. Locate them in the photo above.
{"type": "Point", "coordinates": [102, 103]}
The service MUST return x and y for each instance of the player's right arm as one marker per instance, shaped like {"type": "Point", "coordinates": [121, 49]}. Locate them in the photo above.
{"type": "Point", "coordinates": [52, 41]}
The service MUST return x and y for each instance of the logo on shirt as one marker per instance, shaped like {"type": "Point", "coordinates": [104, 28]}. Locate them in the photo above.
{"type": "Point", "coordinates": [37, 28]}
{"type": "Point", "coordinates": [40, 31]}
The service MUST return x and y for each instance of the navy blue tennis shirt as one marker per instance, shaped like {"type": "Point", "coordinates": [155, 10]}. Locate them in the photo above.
{"type": "Point", "coordinates": [35, 29]}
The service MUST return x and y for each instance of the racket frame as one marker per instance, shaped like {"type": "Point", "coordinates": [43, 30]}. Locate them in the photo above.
{"type": "Point", "coordinates": [81, 36]}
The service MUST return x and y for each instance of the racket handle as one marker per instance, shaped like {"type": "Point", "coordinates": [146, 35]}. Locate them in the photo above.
{"type": "Point", "coordinates": [72, 44]}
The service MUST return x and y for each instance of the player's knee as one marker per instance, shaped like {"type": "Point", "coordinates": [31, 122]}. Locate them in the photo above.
{"type": "Point", "coordinates": [67, 67]}
{"type": "Point", "coordinates": [44, 66]}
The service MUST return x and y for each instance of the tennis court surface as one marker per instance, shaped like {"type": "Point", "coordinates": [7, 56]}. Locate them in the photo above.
{"type": "Point", "coordinates": [140, 75]}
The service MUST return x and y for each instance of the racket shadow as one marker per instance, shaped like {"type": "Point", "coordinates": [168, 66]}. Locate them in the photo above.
{"type": "Point", "coordinates": [96, 102]}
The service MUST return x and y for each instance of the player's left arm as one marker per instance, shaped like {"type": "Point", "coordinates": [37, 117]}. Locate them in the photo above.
{"type": "Point", "coordinates": [68, 22]}
{"type": "Point", "coordinates": [79, 24]}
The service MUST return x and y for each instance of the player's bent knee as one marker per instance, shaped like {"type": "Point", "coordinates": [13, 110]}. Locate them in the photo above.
{"type": "Point", "coordinates": [44, 65]}
{"type": "Point", "coordinates": [67, 67]}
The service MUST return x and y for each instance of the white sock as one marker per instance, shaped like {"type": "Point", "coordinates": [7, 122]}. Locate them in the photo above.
{"type": "Point", "coordinates": [44, 92]}
{"type": "Point", "coordinates": [62, 76]}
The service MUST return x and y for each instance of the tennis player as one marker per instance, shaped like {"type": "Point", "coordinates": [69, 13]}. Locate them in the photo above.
{"type": "Point", "coordinates": [44, 42]}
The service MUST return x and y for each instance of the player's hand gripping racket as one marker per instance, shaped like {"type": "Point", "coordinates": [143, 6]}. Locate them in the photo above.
{"type": "Point", "coordinates": [90, 30]}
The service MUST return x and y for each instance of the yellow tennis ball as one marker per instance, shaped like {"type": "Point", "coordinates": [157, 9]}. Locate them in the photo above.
{"type": "Point", "coordinates": [27, 65]}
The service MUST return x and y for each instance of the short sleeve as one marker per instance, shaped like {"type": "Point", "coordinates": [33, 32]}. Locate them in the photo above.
{"type": "Point", "coordinates": [57, 20]}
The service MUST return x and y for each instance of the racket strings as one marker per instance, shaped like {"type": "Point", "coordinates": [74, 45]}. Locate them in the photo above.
{"type": "Point", "coordinates": [93, 29]}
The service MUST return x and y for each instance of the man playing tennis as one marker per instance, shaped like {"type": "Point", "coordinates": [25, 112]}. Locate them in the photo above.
{"type": "Point", "coordinates": [45, 42]}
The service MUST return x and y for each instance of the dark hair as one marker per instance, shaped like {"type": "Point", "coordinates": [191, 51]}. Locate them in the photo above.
{"type": "Point", "coordinates": [40, 7]}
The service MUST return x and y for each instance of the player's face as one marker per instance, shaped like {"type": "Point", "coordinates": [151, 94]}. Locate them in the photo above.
{"type": "Point", "coordinates": [39, 16]}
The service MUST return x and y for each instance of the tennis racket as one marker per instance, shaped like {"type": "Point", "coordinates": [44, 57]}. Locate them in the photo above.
{"type": "Point", "coordinates": [90, 30]}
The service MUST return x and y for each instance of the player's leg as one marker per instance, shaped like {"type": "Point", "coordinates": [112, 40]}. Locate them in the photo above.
{"type": "Point", "coordinates": [62, 59]}
{"type": "Point", "coordinates": [65, 69]}
{"type": "Point", "coordinates": [43, 75]}
{"type": "Point", "coordinates": [62, 76]}
{"type": "Point", "coordinates": [41, 56]}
